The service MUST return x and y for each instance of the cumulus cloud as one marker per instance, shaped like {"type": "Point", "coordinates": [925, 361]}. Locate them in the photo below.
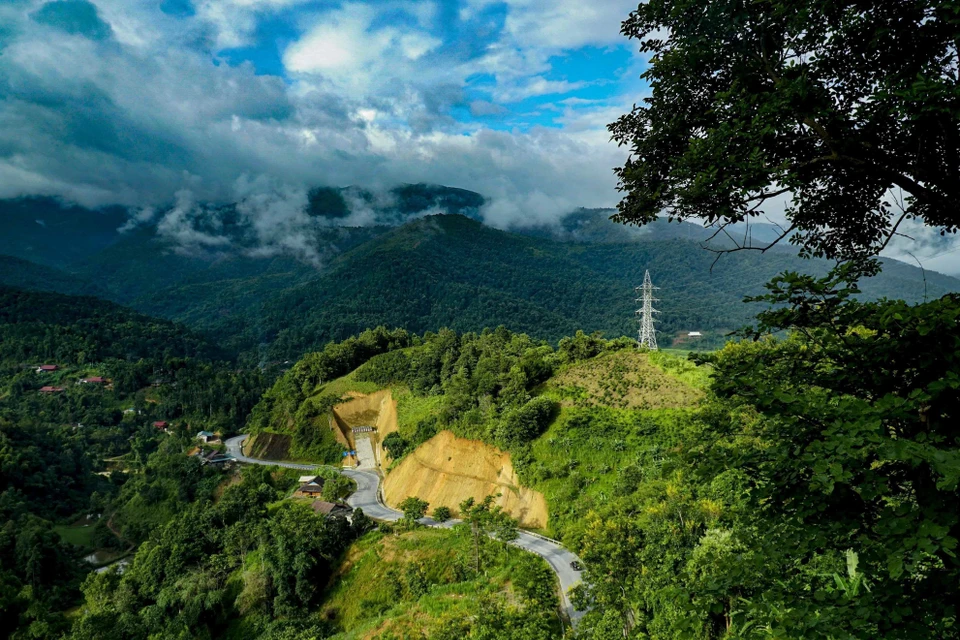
{"type": "Point", "coordinates": [114, 101]}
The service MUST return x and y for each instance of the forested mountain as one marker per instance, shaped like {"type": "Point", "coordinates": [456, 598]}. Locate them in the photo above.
{"type": "Point", "coordinates": [423, 274]}
{"type": "Point", "coordinates": [88, 387]}
{"type": "Point", "coordinates": [454, 272]}
{"type": "Point", "coordinates": [23, 274]}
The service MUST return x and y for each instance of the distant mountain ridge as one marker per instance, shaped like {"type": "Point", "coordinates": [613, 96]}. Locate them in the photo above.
{"type": "Point", "coordinates": [417, 270]}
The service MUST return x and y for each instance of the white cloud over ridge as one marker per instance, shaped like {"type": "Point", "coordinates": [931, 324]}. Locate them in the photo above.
{"type": "Point", "coordinates": [152, 116]}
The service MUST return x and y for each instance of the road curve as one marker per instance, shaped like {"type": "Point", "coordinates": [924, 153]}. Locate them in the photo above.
{"type": "Point", "coordinates": [367, 497]}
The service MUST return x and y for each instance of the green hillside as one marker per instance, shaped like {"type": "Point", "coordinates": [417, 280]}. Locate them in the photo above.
{"type": "Point", "coordinates": [438, 271]}
{"type": "Point", "coordinates": [449, 271]}
{"type": "Point", "coordinates": [829, 455]}
{"type": "Point", "coordinates": [23, 274]}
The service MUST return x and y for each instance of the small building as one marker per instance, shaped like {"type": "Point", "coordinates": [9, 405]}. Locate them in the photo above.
{"type": "Point", "coordinates": [215, 457]}
{"type": "Point", "coordinates": [694, 334]}
{"type": "Point", "coordinates": [208, 436]}
{"type": "Point", "coordinates": [93, 380]}
{"type": "Point", "coordinates": [47, 368]}
{"type": "Point", "coordinates": [309, 479]}
{"type": "Point", "coordinates": [51, 389]}
{"type": "Point", "coordinates": [323, 508]}
{"type": "Point", "coordinates": [310, 490]}
{"type": "Point", "coordinates": [161, 424]}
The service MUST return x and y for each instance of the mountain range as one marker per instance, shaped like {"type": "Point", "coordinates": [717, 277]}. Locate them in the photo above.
{"type": "Point", "coordinates": [424, 260]}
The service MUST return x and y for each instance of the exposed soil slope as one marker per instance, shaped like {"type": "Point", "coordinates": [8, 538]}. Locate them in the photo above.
{"type": "Point", "coordinates": [446, 470]}
{"type": "Point", "coordinates": [377, 410]}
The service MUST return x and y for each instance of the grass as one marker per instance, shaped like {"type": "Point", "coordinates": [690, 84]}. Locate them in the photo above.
{"type": "Point", "coordinates": [619, 412]}
{"type": "Point", "coordinates": [411, 409]}
{"type": "Point", "coordinates": [80, 535]}
{"type": "Point", "coordinates": [678, 366]}
{"type": "Point", "coordinates": [588, 456]}
{"type": "Point", "coordinates": [372, 596]}
{"type": "Point", "coordinates": [628, 379]}
{"type": "Point", "coordinates": [346, 384]}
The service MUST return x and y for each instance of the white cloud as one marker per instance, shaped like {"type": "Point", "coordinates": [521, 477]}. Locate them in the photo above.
{"type": "Point", "coordinates": [536, 86]}
{"type": "Point", "coordinates": [350, 54]}
{"type": "Point", "coordinates": [151, 114]}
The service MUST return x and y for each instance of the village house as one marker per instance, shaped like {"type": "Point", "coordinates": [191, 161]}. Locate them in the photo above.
{"type": "Point", "coordinates": [208, 437]}
{"type": "Point", "coordinates": [161, 425]}
{"type": "Point", "coordinates": [49, 389]}
{"type": "Point", "coordinates": [323, 508]}
{"type": "Point", "coordinates": [310, 490]}
{"type": "Point", "coordinates": [93, 380]}
{"type": "Point", "coordinates": [47, 368]}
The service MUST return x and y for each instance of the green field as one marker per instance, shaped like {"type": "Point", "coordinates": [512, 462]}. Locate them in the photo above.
{"type": "Point", "coordinates": [75, 534]}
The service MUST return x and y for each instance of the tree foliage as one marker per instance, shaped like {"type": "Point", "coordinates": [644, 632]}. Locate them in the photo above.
{"type": "Point", "coordinates": [833, 105]}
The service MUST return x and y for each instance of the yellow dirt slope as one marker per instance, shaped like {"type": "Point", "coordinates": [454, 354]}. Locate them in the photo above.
{"type": "Point", "coordinates": [446, 470]}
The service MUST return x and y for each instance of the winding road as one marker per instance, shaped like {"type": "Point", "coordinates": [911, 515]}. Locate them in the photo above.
{"type": "Point", "coordinates": [367, 497]}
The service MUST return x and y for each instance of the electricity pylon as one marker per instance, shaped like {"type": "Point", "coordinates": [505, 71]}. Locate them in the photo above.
{"type": "Point", "coordinates": [647, 334]}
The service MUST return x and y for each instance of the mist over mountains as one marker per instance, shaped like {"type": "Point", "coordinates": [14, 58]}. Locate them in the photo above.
{"type": "Point", "coordinates": [278, 274]}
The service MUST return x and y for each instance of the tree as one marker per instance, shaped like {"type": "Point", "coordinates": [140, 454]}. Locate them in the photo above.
{"type": "Point", "coordinates": [485, 519]}
{"type": "Point", "coordinates": [838, 107]}
{"type": "Point", "coordinates": [846, 435]}
{"type": "Point", "coordinates": [441, 514]}
{"type": "Point", "coordinates": [525, 423]}
{"type": "Point", "coordinates": [337, 488]}
{"type": "Point", "coordinates": [413, 509]}
{"type": "Point", "coordinates": [396, 445]}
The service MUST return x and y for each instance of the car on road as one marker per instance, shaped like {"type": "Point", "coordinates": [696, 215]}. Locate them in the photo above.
{"type": "Point", "coordinates": [576, 566]}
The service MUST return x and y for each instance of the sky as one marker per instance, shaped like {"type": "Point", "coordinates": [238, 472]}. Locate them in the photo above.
{"type": "Point", "coordinates": [163, 105]}
{"type": "Point", "coordinates": [150, 102]}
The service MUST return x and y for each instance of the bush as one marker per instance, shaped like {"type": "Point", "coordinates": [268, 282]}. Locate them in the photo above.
{"type": "Point", "coordinates": [526, 423]}
{"type": "Point", "coordinates": [396, 445]}
{"type": "Point", "coordinates": [441, 514]}
{"type": "Point", "coordinates": [413, 508]}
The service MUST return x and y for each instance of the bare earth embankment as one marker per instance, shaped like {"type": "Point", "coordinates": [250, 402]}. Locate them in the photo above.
{"type": "Point", "coordinates": [446, 470]}
{"type": "Point", "coordinates": [377, 410]}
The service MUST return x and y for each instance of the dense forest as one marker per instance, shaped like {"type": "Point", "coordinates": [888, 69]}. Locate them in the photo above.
{"type": "Point", "coordinates": [69, 435]}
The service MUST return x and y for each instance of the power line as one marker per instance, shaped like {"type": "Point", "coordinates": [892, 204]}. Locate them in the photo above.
{"type": "Point", "coordinates": [647, 334]}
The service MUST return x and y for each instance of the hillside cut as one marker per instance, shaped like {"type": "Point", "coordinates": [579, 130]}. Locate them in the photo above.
{"type": "Point", "coordinates": [446, 470]}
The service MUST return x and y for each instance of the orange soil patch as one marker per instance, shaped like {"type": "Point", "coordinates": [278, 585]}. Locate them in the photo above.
{"type": "Point", "coordinates": [446, 470]}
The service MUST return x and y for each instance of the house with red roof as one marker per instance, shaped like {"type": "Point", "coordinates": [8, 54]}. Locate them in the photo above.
{"type": "Point", "coordinates": [93, 380]}
{"type": "Point", "coordinates": [47, 368]}
{"type": "Point", "coordinates": [51, 389]}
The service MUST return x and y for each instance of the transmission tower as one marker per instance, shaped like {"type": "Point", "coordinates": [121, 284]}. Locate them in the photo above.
{"type": "Point", "coordinates": [647, 335]}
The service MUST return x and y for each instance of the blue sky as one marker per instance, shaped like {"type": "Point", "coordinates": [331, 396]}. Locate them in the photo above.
{"type": "Point", "coordinates": [137, 101]}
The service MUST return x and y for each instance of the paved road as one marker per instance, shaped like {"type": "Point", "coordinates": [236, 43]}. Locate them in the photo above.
{"type": "Point", "coordinates": [367, 497]}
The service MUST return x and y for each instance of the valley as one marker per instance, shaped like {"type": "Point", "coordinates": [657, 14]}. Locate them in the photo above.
{"type": "Point", "coordinates": [479, 320]}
